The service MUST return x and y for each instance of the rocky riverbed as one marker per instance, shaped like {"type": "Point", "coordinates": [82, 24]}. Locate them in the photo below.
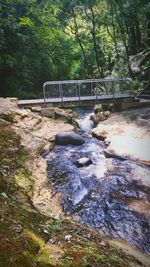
{"type": "Point", "coordinates": [113, 193]}
{"type": "Point", "coordinates": [94, 194]}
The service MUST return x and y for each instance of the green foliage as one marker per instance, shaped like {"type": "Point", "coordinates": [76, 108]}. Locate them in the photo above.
{"type": "Point", "coordinates": [58, 40]}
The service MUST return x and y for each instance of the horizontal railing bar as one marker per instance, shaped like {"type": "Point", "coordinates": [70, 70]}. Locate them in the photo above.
{"type": "Point", "coordinates": [86, 81]}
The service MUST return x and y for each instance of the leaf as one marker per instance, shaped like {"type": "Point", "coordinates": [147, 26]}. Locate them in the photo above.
{"type": "Point", "coordinates": [26, 21]}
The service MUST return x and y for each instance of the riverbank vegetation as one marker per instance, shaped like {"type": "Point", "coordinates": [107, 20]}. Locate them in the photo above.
{"type": "Point", "coordinates": [57, 40]}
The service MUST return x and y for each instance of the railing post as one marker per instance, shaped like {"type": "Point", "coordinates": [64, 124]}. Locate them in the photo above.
{"type": "Point", "coordinates": [130, 93]}
{"type": "Point", "coordinates": [62, 101]}
{"type": "Point", "coordinates": [96, 93]}
{"type": "Point", "coordinates": [76, 89]}
{"type": "Point", "coordinates": [79, 92]}
{"type": "Point", "coordinates": [44, 96]}
{"type": "Point", "coordinates": [113, 91]}
{"type": "Point", "coordinates": [79, 86]}
{"type": "Point", "coordinates": [59, 90]}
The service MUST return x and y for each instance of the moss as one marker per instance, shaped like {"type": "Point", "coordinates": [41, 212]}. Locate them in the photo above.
{"type": "Point", "coordinates": [8, 117]}
{"type": "Point", "coordinates": [22, 234]}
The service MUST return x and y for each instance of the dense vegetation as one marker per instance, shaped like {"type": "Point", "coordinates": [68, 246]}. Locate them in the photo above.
{"type": "Point", "coordinates": [62, 39]}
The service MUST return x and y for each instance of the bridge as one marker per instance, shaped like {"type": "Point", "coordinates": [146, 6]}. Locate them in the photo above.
{"type": "Point", "coordinates": [88, 92]}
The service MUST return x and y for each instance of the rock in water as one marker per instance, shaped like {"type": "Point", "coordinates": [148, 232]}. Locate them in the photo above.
{"type": "Point", "coordinates": [69, 138]}
{"type": "Point", "coordinates": [102, 116]}
{"type": "Point", "coordinates": [83, 162]}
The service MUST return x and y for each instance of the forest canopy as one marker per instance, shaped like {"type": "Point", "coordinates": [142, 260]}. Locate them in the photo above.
{"type": "Point", "coordinates": [44, 40]}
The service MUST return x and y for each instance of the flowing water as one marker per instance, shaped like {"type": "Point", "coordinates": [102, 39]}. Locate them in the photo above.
{"type": "Point", "coordinates": [107, 194]}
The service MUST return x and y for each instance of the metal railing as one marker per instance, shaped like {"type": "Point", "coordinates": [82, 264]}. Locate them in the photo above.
{"type": "Point", "coordinates": [80, 89]}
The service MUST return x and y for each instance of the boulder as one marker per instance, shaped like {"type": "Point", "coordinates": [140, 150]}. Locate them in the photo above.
{"type": "Point", "coordinates": [102, 116]}
{"type": "Point", "coordinates": [50, 112]}
{"type": "Point", "coordinates": [36, 109]}
{"type": "Point", "coordinates": [126, 135]}
{"type": "Point", "coordinates": [83, 162]}
{"type": "Point", "coordinates": [60, 114]}
{"type": "Point", "coordinates": [69, 138]}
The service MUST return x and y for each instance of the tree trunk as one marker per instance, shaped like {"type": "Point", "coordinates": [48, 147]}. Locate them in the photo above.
{"type": "Point", "coordinates": [81, 46]}
{"type": "Point", "coordinates": [93, 32]}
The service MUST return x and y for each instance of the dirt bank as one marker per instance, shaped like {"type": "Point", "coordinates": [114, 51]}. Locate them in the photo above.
{"type": "Point", "coordinates": [37, 134]}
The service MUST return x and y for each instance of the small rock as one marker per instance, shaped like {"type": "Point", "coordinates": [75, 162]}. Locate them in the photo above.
{"type": "Point", "coordinates": [102, 243]}
{"type": "Point", "coordinates": [4, 194]}
{"type": "Point", "coordinates": [107, 142]}
{"type": "Point", "coordinates": [16, 228]}
{"type": "Point", "coordinates": [45, 231]}
{"type": "Point", "coordinates": [68, 237]}
{"type": "Point", "coordinates": [83, 162]}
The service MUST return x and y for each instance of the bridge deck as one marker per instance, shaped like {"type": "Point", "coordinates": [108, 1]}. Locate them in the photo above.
{"type": "Point", "coordinates": [73, 99]}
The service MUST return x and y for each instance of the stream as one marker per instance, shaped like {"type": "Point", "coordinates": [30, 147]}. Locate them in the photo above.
{"type": "Point", "coordinates": [104, 195]}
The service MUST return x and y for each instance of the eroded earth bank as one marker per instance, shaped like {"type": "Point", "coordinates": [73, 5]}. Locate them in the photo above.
{"type": "Point", "coordinates": [55, 213]}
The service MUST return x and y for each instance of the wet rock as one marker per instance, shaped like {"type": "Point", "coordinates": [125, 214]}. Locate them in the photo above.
{"type": "Point", "coordinates": [69, 138]}
{"type": "Point", "coordinates": [128, 135]}
{"type": "Point", "coordinates": [101, 196]}
{"type": "Point", "coordinates": [146, 115]}
{"type": "Point", "coordinates": [106, 142]}
{"type": "Point", "coordinates": [83, 162]}
{"type": "Point", "coordinates": [111, 155]}
{"type": "Point", "coordinates": [130, 147]}
{"type": "Point", "coordinates": [102, 116]}
{"type": "Point", "coordinates": [100, 136]}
